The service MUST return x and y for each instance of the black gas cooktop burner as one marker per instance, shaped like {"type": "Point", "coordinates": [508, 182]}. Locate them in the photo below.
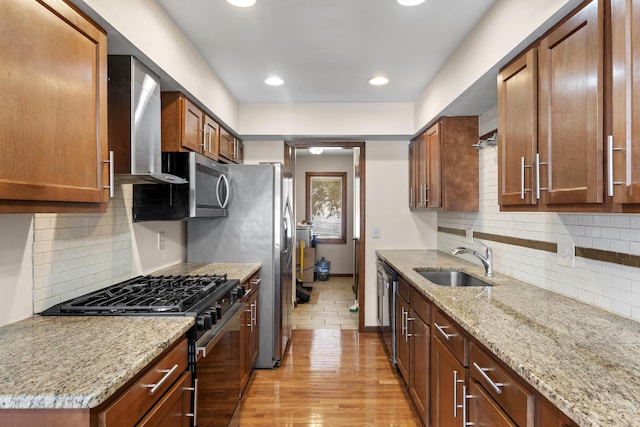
{"type": "Point", "coordinates": [149, 295]}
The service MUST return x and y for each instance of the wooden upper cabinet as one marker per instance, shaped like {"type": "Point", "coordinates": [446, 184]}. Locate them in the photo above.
{"type": "Point", "coordinates": [446, 165]}
{"type": "Point", "coordinates": [231, 148]}
{"type": "Point", "coordinates": [518, 130]}
{"type": "Point", "coordinates": [413, 181]}
{"type": "Point", "coordinates": [571, 114]}
{"type": "Point", "coordinates": [53, 126]}
{"type": "Point", "coordinates": [185, 127]}
{"type": "Point", "coordinates": [624, 166]}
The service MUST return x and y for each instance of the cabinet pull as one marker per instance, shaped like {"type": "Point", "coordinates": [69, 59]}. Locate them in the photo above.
{"type": "Point", "coordinates": [444, 334]}
{"type": "Point", "coordinates": [402, 324]}
{"type": "Point", "coordinates": [465, 396]}
{"type": "Point", "coordinates": [194, 389]}
{"type": "Point", "coordinates": [455, 394]}
{"type": "Point", "coordinates": [154, 387]}
{"type": "Point", "coordinates": [204, 140]}
{"type": "Point", "coordinates": [522, 168]}
{"type": "Point", "coordinates": [111, 185]}
{"type": "Point", "coordinates": [256, 282]}
{"type": "Point", "coordinates": [482, 371]}
{"type": "Point", "coordinates": [538, 188]}
{"type": "Point", "coordinates": [410, 196]}
{"type": "Point", "coordinates": [426, 195]}
{"type": "Point", "coordinates": [407, 335]}
{"type": "Point", "coordinates": [610, 150]}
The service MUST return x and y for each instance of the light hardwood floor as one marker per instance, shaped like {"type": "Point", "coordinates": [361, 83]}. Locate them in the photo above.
{"type": "Point", "coordinates": [331, 376]}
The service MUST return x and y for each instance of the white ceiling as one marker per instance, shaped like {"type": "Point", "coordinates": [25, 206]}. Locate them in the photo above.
{"type": "Point", "coordinates": [325, 50]}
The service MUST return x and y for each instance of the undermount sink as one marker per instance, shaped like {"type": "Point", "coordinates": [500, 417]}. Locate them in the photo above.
{"type": "Point", "coordinates": [452, 278]}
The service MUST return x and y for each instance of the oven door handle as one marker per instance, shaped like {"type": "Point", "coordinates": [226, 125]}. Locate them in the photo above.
{"type": "Point", "coordinates": [208, 341]}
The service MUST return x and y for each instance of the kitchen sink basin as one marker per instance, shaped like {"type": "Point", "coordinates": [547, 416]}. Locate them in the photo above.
{"type": "Point", "coordinates": [452, 278]}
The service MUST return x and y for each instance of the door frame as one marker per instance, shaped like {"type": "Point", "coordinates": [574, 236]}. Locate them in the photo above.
{"type": "Point", "coordinates": [289, 160]}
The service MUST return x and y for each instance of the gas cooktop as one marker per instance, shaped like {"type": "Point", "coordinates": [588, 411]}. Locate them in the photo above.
{"type": "Point", "coordinates": [151, 295]}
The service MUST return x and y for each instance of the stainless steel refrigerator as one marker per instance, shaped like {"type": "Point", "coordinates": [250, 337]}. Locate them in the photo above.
{"type": "Point", "coordinates": [259, 228]}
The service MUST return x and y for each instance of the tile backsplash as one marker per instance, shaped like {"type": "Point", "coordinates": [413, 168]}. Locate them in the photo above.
{"type": "Point", "coordinates": [607, 285]}
{"type": "Point", "coordinates": [77, 253]}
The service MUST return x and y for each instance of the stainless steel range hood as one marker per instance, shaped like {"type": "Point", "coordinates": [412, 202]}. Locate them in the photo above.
{"type": "Point", "coordinates": [134, 123]}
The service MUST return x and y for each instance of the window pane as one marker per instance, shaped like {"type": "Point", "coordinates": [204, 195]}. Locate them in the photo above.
{"type": "Point", "coordinates": [325, 202]}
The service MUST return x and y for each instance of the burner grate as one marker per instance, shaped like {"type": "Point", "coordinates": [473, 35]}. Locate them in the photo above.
{"type": "Point", "coordinates": [147, 294]}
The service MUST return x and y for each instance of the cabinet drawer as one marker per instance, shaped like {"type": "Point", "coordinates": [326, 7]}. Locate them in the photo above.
{"type": "Point", "coordinates": [136, 400]}
{"type": "Point", "coordinates": [420, 306]}
{"type": "Point", "coordinates": [404, 289]}
{"type": "Point", "coordinates": [173, 408]}
{"type": "Point", "coordinates": [505, 387]}
{"type": "Point", "coordinates": [452, 336]}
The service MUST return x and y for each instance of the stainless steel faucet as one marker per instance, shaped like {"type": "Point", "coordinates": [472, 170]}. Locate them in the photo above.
{"type": "Point", "coordinates": [486, 260]}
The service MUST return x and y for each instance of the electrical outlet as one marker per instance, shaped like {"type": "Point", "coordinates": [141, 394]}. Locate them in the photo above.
{"type": "Point", "coordinates": [161, 240]}
{"type": "Point", "coordinates": [469, 234]}
{"type": "Point", "coordinates": [566, 252]}
{"type": "Point", "coordinates": [375, 232]}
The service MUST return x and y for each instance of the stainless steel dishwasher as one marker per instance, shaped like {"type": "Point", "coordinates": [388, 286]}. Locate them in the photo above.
{"type": "Point", "coordinates": [387, 280]}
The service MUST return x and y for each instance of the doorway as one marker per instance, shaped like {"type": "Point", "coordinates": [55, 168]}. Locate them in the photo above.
{"type": "Point", "coordinates": [357, 153]}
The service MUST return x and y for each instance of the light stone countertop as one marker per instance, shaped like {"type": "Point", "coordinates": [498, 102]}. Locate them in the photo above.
{"type": "Point", "coordinates": [78, 362]}
{"type": "Point", "coordinates": [585, 360]}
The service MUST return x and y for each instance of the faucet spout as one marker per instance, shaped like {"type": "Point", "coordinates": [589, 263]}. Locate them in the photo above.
{"type": "Point", "coordinates": [486, 259]}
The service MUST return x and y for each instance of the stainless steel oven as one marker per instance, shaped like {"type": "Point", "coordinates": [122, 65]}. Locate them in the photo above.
{"type": "Point", "coordinates": [218, 371]}
{"type": "Point", "coordinates": [387, 280]}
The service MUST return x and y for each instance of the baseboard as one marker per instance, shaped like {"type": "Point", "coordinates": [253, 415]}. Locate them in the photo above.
{"type": "Point", "coordinates": [370, 329]}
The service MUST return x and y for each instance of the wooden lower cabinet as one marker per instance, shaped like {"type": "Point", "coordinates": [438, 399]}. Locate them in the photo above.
{"type": "Point", "coordinates": [173, 409]}
{"type": "Point", "coordinates": [550, 416]}
{"type": "Point", "coordinates": [483, 411]}
{"type": "Point", "coordinates": [419, 364]}
{"type": "Point", "coordinates": [402, 340]}
{"type": "Point", "coordinates": [249, 335]}
{"type": "Point", "coordinates": [448, 383]}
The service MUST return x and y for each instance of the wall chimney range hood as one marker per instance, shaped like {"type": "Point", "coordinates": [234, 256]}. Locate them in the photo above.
{"type": "Point", "coordinates": [134, 123]}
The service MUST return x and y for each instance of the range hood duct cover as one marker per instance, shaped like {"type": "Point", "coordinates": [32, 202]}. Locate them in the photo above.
{"type": "Point", "coordinates": [134, 123]}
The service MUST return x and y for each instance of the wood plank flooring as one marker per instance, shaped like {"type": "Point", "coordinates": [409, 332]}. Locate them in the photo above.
{"type": "Point", "coordinates": [329, 377]}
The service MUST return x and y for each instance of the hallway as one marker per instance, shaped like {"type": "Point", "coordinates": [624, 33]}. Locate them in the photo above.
{"type": "Point", "coordinates": [331, 376]}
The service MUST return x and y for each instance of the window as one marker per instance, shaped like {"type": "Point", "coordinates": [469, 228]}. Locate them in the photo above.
{"type": "Point", "coordinates": [326, 203]}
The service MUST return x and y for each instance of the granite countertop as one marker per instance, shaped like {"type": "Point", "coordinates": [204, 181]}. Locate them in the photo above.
{"type": "Point", "coordinates": [78, 362]}
{"type": "Point", "coordinates": [585, 360]}
{"type": "Point", "coordinates": [240, 271]}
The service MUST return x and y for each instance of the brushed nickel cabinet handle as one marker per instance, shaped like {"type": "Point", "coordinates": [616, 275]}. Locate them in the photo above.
{"type": "Point", "coordinates": [483, 372]}
{"type": "Point", "coordinates": [111, 185]}
{"type": "Point", "coordinates": [168, 372]}
{"type": "Point", "coordinates": [444, 334]}
{"type": "Point", "coordinates": [610, 150]}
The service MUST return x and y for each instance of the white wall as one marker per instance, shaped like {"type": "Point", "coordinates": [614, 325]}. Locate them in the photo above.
{"type": "Point", "coordinates": [507, 27]}
{"type": "Point", "coordinates": [147, 26]}
{"type": "Point", "coordinates": [16, 276]}
{"type": "Point", "coordinates": [326, 119]}
{"type": "Point", "coordinates": [340, 255]}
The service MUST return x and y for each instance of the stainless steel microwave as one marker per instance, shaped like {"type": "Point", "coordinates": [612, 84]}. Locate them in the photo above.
{"type": "Point", "coordinates": [206, 195]}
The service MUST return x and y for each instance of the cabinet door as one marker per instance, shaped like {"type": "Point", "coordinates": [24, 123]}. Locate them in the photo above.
{"type": "Point", "coordinates": [419, 343]}
{"type": "Point", "coordinates": [239, 153]}
{"type": "Point", "coordinates": [421, 170]}
{"type": "Point", "coordinates": [193, 122]}
{"type": "Point", "coordinates": [625, 164]}
{"type": "Point", "coordinates": [571, 114]}
{"type": "Point", "coordinates": [550, 416]}
{"type": "Point", "coordinates": [433, 181]}
{"type": "Point", "coordinates": [448, 378]}
{"type": "Point", "coordinates": [402, 340]}
{"type": "Point", "coordinates": [483, 411]}
{"type": "Point", "coordinates": [172, 409]}
{"type": "Point", "coordinates": [211, 141]}
{"type": "Point", "coordinates": [53, 126]}
{"type": "Point", "coordinates": [226, 144]}
{"type": "Point", "coordinates": [518, 130]}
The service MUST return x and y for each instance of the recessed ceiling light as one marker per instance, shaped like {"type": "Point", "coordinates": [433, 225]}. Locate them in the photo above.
{"type": "Point", "coordinates": [410, 2]}
{"type": "Point", "coordinates": [274, 81]}
{"type": "Point", "coordinates": [378, 80]}
{"type": "Point", "coordinates": [242, 3]}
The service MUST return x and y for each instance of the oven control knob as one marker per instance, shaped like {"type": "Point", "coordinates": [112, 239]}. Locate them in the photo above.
{"type": "Point", "coordinates": [205, 322]}
{"type": "Point", "coordinates": [237, 292]}
{"type": "Point", "coordinates": [214, 315]}
{"type": "Point", "coordinates": [218, 309]}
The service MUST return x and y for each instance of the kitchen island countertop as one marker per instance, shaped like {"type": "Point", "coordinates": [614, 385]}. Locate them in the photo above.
{"type": "Point", "coordinates": [583, 359]}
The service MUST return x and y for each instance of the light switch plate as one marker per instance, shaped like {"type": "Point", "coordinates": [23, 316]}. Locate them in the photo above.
{"type": "Point", "coordinates": [375, 232]}
{"type": "Point", "coordinates": [469, 234]}
{"type": "Point", "coordinates": [566, 252]}
{"type": "Point", "coordinates": [161, 240]}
